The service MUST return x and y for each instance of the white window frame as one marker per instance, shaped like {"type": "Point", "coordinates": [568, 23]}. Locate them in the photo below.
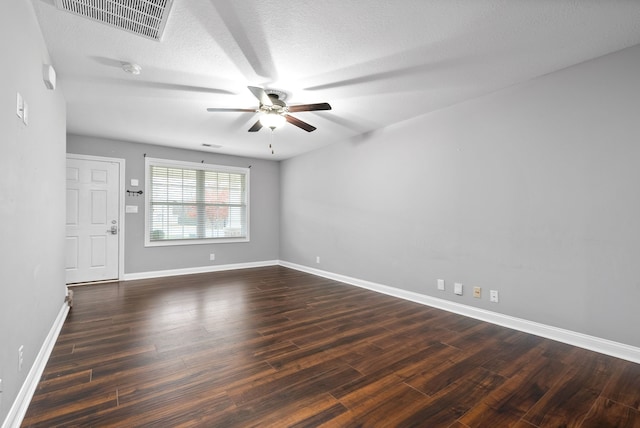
{"type": "Point", "coordinates": [198, 166]}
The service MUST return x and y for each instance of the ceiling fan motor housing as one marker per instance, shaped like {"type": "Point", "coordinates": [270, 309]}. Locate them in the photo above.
{"type": "Point", "coordinates": [278, 106]}
{"type": "Point", "coordinates": [277, 93]}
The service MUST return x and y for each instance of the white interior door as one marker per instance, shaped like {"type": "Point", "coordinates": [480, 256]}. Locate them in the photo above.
{"type": "Point", "coordinates": [92, 220]}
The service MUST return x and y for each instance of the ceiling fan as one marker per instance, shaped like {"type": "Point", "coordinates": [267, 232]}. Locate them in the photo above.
{"type": "Point", "coordinates": [274, 111]}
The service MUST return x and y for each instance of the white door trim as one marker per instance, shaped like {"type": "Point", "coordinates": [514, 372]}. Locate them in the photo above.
{"type": "Point", "coordinates": [121, 202]}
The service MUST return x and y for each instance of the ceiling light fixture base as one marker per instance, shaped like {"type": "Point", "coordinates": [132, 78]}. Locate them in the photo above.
{"type": "Point", "coordinates": [131, 68]}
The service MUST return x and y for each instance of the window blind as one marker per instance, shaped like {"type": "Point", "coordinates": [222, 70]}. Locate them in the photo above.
{"type": "Point", "coordinates": [196, 202]}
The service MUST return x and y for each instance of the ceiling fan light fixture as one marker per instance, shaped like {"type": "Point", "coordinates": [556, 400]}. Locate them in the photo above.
{"type": "Point", "coordinates": [272, 120]}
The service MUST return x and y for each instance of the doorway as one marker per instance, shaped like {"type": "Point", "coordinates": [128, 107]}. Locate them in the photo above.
{"type": "Point", "coordinates": [94, 219]}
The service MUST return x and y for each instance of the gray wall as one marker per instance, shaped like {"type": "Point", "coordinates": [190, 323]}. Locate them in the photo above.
{"type": "Point", "coordinates": [32, 216]}
{"type": "Point", "coordinates": [532, 191]}
{"type": "Point", "coordinates": [264, 208]}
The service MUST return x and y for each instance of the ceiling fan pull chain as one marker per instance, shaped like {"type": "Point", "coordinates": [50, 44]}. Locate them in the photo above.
{"type": "Point", "coordinates": [271, 141]}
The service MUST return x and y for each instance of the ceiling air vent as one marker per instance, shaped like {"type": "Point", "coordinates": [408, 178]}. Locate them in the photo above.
{"type": "Point", "coordinates": [145, 18]}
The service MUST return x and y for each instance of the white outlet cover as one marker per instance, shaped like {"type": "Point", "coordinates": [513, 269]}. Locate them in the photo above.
{"type": "Point", "coordinates": [457, 288]}
{"type": "Point", "coordinates": [441, 284]}
{"type": "Point", "coordinates": [20, 357]}
{"type": "Point", "coordinates": [493, 296]}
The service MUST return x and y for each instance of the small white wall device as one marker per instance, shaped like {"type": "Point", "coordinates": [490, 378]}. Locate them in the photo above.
{"type": "Point", "coordinates": [49, 76]}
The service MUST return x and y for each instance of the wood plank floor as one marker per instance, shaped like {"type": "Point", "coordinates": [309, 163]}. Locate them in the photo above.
{"type": "Point", "coordinates": [274, 347]}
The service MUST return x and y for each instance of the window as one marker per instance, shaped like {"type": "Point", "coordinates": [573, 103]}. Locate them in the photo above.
{"type": "Point", "coordinates": [195, 203]}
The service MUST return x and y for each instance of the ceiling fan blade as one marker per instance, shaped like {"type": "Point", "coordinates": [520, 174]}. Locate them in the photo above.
{"type": "Point", "coordinates": [250, 110]}
{"type": "Point", "coordinates": [310, 107]}
{"type": "Point", "coordinates": [256, 127]}
{"type": "Point", "coordinates": [300, 124]}
{"type": "Point", "coordinates": [261, 95]}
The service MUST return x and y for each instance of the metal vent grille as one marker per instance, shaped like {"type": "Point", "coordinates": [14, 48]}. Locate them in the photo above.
{"type": "Point", "coordinates": [146, 18]}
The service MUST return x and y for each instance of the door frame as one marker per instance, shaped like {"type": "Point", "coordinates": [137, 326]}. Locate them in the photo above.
{"type": "Point", "coordinates": [121, 210]}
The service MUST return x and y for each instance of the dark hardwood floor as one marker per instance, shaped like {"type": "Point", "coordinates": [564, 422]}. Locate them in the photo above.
{"type": "Point", "coordinates": [274, 347]}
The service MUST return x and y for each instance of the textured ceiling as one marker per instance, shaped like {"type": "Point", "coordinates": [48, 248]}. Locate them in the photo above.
{"type": "Point", "coordinates": [377, 62]}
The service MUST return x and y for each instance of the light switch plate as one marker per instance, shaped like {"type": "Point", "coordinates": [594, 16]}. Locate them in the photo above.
{"type": "Point", "coordinates": [19, 105]}
{"type": "Point", "coordinates": [457, 288]}
{"type": "Point", "coordinates": [135, 182]}
{"type": "Point", "coordinates": [25, 113]}
{"type": "Point", "coordinates": [131, 209]}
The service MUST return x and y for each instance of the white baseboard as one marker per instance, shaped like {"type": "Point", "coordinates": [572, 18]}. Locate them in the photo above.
{"type": "Point", "coordinates": [592, 343]}
{"type": "Point", "coordinates": [200, 269]}
{"type": "Point", "coordinates": [21, 404]}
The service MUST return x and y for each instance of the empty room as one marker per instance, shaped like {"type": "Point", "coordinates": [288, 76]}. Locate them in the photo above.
{"type": "Point", "coordinates": [374, 213]}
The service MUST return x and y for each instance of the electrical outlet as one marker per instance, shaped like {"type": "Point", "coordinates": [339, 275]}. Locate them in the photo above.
{"type": "Point", "coordinates": [318, 259]}
{"type": "Point", "coordinates": [477, 292]}
{"type": "Point", "coordinates": [457, 288]}
{"type": "Point", "coordinates": [20, 357]}
{"type": "Point", "coordinates": [493, 296]}
{"type": "Point", "coordinates": [441, 284]}
{"type": "Point", "coordinates": [212, 256]}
